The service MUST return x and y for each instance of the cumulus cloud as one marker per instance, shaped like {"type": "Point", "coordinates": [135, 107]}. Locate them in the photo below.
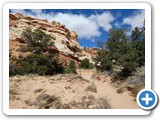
{"type": "Point", "coordinates": [87, 27]}
{"type": "Point", "coordinates": [136, 20]}
{"type": "Point", "coordinates": [82, 25]}
{"type": "Point", "coordinates": [103, 20]}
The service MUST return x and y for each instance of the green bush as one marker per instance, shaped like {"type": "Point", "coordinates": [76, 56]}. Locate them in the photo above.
{"type": "Point", "coordinates": [71, 68]}
{"type": "Point", "coordinates": [37, 41]}
{"type": "Point", "coordinates": [128, 52]}
{"type": "Point", "coordinates": [104, 61]}
{"type": "Point", "coordinates": [42, 59]}
{"type": "Point", "coordinates": [12, 69]}
{"type": "Point", "coordinates": [86, 64]}
{"type": "Point", "coordinates": [36, 64]}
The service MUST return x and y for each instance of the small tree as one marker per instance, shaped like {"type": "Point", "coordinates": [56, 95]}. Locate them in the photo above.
{"type": "Point", "coordinates": [138, 43]}
{"type": "Point", "coordinates": [104, 60]}
{"type": "Point", "coordinates": [122, 52]}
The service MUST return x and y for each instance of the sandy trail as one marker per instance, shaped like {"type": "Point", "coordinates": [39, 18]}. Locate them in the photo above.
{"type": "Point", "coordinates": [106, 90]}
{"type": "Point", "coordinates": [24, 90]}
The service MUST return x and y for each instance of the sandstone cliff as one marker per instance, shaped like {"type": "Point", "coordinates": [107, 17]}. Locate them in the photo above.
{"type": "Point", "coordinates": [66, 44]}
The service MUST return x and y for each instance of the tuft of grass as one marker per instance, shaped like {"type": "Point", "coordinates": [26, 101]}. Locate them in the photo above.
{"type": "Point", "coordinates": [45, 101]}
{"type": "Point", "coordinates": [92, 88]}
{"type": "Point", "coordinates": [29, 102]}
{"type": "Point", "coordinates": [135, 89]}
{"type": "Point", "coordinates": [103, 104]}
{"type": "Point", "coordinates": [88, 102]}
{"type": "Point", "coordinates": [38, 90]}
{"type": "Point", "coordinates": [120, 90]}
{"type": "Point", "coordinates": [13, 92]}
{"type": "Point", "coordinates": [67, 87]}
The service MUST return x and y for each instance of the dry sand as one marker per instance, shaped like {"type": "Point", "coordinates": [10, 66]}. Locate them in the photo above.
{"type": "Point", "coordinates": [25, 91]}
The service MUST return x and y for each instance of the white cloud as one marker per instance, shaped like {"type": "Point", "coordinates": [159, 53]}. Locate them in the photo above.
{"type": "Point", "coordinates": [82, 25]}
{"type": "Point", "coordinates": [117, 24]}
{"type": "Point", "coordinates": [103, 20]}
{"type": "Point", "coordinates": [136, 20]}
{"type": "Point", "coordinates": [87, 27]}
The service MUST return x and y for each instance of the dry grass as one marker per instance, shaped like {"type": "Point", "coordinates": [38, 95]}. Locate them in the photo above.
{"type": "Point", "coordinates": [120, 90]}
{"type": "Point", "coordinates": [135, 89]}
{"type": "Point", "coordinates": [88, 102]}
{"type": "Point", "coordinates": [38, 90]}
{"type": "Point", "coordinates": [103, 104]}
{"type": "Point", "coordinates": [92, 88]}
{"type": "Point", "coordinates": [13, 94]}
{"type": "Point", "coordinates": [45, 101]}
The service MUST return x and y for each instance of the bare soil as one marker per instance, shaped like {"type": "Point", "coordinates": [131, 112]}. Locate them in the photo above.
{"type": "Point", "coordinates": [67, 91]}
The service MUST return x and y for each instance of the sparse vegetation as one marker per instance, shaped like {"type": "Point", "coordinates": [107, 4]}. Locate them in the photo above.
{"type": "Point", "coordinates": [135, 89]}
{"type": "Point", "coordinates": [103, 104]}
{"type": "Point", "coordinates": [88, 102]}
{"type": "Point", "coordinates": [71, 68]}
{"type": "Point", "coordinates": [126, 52]}
{"type": "Point", "coordinates": [86, 64]}
{"type": "Point", "coordinates": [38, 90]}
{"type": "Point", "coordinates": [120, 90]}
{"type": "Point", "coordinates": [45, 101]}
{"type": "Point", "coordinates": [41, 61]}
{"type": "Point", "coordinates": [92, 88]}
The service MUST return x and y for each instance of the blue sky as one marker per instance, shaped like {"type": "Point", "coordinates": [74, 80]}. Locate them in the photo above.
{"type": "Point", "coordinates": [90, 25]}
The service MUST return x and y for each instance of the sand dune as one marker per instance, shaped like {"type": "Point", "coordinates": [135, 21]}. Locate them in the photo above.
{"type": "Point", "coordinates": [67, 91]}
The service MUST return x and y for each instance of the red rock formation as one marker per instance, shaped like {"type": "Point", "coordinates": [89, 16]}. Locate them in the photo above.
{"type": "Point", "coordinates": [66, 44]}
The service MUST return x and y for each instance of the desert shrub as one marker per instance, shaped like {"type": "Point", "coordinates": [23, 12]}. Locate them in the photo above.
{"type": "Point", "coordinates": [92, 88]}
{"type": "Point", "coordinates": [103, 104]}
{"type": "Point", "coordinates": [103, 61]}
{"type": "Point", "coordinates": [67, 70]}
{"type": "Point", "coordinates": [37, 64]}
{"type": "Point", "coordinates": [71, 68]}
{"type": "Point", "coordinates": [45, 101]}
{"type": "Point", "coordinates": [86, 64]}
{"type": "Point", "coordinates": [88, 102]}
{"type": "Point", "coordinates": [12, 69]}
{"type": "Point", "coordinates": [72, 65]}
{"type": "Point", "coordinates": [41, 61]}
{"type": "Point", "coordinates": [37, 40]}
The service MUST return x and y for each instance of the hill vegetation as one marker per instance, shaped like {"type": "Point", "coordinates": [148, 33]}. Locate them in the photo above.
{"type": "Point", "coordinates": [123, 51]}
{"type": "Point", "coordinates": [41, 60]}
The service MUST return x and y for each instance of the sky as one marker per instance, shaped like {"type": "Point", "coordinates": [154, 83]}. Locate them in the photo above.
{"type": "Point", "coordinates": [91, 25]}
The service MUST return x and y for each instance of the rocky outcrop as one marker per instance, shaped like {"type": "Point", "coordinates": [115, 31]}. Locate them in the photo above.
{"type": "Point", "coordinates": [92, 51]}
{"type": "Point", "coordinates": [66, 44]}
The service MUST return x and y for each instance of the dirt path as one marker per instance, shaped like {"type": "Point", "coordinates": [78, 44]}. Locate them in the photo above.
{"type": "Point", "coordinates": [30, 92]}
{"type": "Point", "coordinates": [106, 90]}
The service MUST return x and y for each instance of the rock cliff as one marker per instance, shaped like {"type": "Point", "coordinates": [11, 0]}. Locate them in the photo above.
{"type": "Point", "coordinates": [66, 44]}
